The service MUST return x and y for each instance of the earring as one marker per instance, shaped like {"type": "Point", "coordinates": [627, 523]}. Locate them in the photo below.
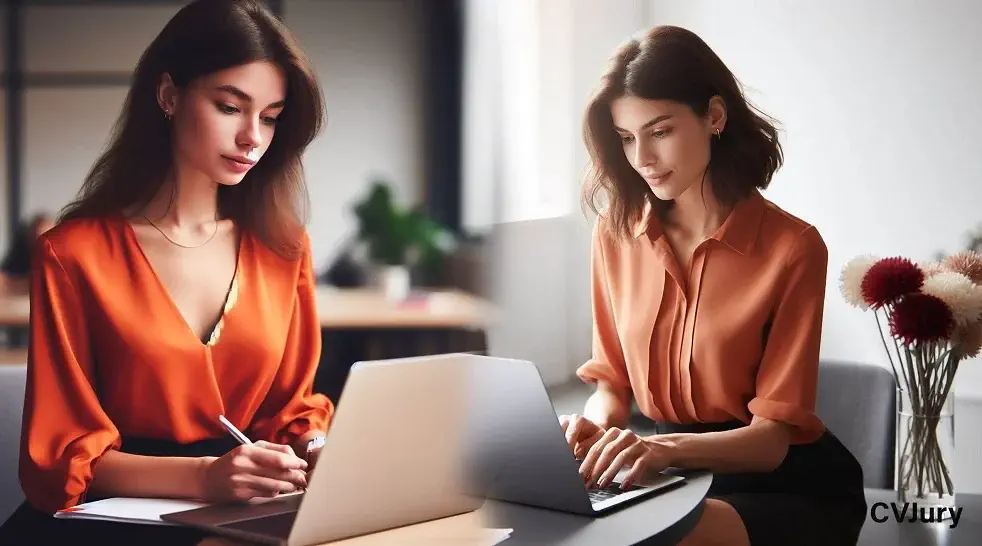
{"type": "Point", "coordinates": [719, 132]}
{"type": "Point", "coordinates": [167, 115]}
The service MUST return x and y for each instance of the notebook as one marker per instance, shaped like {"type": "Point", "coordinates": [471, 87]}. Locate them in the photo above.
{"type": "Point", "coordinates": [146, 511]}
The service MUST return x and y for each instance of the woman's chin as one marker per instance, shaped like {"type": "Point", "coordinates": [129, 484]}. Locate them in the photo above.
{"type": "Point", "coordinates": [663, 193]}
{"type": "Point", "coordinates": [229, 180]}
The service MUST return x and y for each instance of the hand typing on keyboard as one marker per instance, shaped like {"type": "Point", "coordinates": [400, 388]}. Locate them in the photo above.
{"type": "Point", "coordinates": [616, 449]}
{"type": "Point", "coordinates": [581, 433]}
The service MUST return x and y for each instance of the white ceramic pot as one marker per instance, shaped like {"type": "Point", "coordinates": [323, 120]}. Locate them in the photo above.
{"type": "Point", "coordinates": [394, 282]}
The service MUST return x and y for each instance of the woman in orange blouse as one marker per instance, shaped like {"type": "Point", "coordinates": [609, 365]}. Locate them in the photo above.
{"type": "Point", "coordinates": [707, 306]}
{"type": "Point", "coordinates": [178, 288]}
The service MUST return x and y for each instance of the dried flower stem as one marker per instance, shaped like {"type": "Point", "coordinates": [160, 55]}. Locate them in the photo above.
{"type": "Point", "coordinates": [930, 369]}
{"type": "Point", "coordinates": [925, 372]}
{"type": "Point", "coordinates": [879, 327]}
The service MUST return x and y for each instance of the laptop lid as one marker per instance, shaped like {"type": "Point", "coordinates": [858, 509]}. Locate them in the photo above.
{"type": "Point", "coordinates": [394, 456]}
{"type": "Point", "coordinates": [519, 450]}
{"type": "Point", "coordinates": [395, 453]}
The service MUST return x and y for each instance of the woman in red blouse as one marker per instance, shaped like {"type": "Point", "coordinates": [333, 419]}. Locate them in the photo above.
{"type": "Point", "coordinates": [707, 306]}
{"type": "Point", "coordinates": [179, 287]}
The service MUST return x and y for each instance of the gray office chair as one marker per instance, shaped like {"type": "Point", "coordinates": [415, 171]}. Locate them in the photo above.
{"type": "Point", "coordinates": [857, 402]}
{"type": "Point", "coordinates": [12, 380]}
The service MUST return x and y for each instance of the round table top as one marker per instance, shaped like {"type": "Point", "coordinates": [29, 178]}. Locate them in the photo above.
{"type": "Point", "coordinates": [661, 519]}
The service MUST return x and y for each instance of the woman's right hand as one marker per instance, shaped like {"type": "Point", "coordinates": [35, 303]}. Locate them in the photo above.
{"type": "Point", "coordinates": [581, 433]}
{"type": "Point", "coordinates": [262, 469]}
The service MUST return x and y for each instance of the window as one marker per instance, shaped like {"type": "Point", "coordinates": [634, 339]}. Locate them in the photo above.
{"type": "Point", "coordinates": [519, 120]}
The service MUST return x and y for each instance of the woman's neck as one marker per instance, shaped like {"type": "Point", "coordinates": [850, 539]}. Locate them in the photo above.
{"type": "Point", "coordinates": [185, 201]}
{"type": "Point", "coordinates": [697, 213]}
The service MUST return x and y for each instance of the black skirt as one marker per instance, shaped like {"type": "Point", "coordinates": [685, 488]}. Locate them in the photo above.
{"type": "Point", "coordinates": [815, 497]}
{"type": "Point", "coordinates": [29, 526]}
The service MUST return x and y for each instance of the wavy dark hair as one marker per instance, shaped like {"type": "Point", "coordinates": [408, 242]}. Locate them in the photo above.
{"type": "Point", "coordinates": [204, 37]}
{"type": "Point", "coordinates": [672, 63]}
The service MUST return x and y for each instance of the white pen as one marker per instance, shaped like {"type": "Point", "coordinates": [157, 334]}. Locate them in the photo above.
{"type": "Point", "coordinates": [236, 433]}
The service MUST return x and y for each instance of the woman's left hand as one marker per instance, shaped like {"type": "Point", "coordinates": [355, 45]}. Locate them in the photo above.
{"type": "Point", "coordinates": [615, 450]}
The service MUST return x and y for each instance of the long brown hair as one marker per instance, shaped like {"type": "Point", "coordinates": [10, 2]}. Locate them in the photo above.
{"type": "Point", "coordinates": [204, 37]}
{"type": "Point", "coordinates": [672, 63]}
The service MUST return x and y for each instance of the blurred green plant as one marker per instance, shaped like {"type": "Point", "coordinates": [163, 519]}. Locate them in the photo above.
{"type": "Point", "coordinates": [400, 237]}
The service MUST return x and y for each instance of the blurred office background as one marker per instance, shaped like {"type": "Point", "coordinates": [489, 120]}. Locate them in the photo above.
{"type": "Point", "coordinates": [879, 118]}
{"type": "Point", "coordinates": [472, 108]}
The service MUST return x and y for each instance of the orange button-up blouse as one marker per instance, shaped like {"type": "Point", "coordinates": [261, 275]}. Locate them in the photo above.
{"type": "Point", "coordinates": [736, 336]}
{"type": "Point", "coordinates": [111, 356]}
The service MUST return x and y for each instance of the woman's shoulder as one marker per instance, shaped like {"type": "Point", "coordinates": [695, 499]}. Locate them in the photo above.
{"type": "Point", "coordinates": [781, 228]}
{"type": "Point", "coordinates": [82, 240]}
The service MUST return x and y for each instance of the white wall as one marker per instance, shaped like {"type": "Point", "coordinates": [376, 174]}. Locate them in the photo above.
{"type": "Point", "coordinates": [366, 53]}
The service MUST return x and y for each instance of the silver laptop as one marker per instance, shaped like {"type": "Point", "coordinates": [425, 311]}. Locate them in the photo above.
{"type": "Point", "coordinates": [519, 451]}
{"type": "Point", "coordinates": [394, 456]}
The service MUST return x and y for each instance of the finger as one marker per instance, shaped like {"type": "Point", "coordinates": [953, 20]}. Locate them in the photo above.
{"type": "Point", "coordinates": [564, 421]}
{"type": "Point", "coordinates": [586, 468]}
{"type": "Point", "coordinates": [636, 472]}
{"type": "Point", "coordinates": [276, 459]}
{"type": "Point", "coordinates": [606, 456]}
{"type": "Point", "coordinates": [265, 486]}
{"type": "Point", "coordinates": [583, 446]}
{"type": "Point", "coordinates": [604, 462]}
{"type": "Point", "coordinates": [245, 493]}
{"type": "Point", "coordinates": [297, 477]}
{"type": "Point", "coordinates": [624, 458]}
{"type": "Point", "coordinates": [573, 430]}
{"type": "Point", "coordinates": [276, 447]}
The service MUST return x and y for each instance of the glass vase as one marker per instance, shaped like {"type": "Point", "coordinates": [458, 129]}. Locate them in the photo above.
{"type": "Point", "coordinates": [925, 449]}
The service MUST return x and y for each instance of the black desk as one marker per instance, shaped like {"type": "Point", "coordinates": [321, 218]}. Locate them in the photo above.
{"type": "Point", "coordinates": [661, 520]}
{"type": "Point", "coordinates": [890, 532]}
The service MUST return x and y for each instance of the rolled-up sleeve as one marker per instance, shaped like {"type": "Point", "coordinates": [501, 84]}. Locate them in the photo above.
{"type": "Point", "coordinates": [291, 408]}
{"type": "Point", "coordinates": [607, 360]}
{"type": "Point", "coordinates": [787, 379]}
{"type": "Point", "coordinates": [65, 430]}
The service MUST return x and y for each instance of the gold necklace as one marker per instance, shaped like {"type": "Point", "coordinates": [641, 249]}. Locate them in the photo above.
{"type": "Point", "coordinates": [175, 243]}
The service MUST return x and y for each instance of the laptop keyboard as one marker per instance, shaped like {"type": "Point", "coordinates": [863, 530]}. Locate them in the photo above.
{"type": "Point", "coordinates": [600, 494]}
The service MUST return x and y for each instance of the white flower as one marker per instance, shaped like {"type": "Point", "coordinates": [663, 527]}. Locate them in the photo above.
{"type": "Point", "coordinates": [962, 296]}
{"type": "Point", "coordinates": [931, 269]}
{"type": "Point", "coordinates": [851, 279]}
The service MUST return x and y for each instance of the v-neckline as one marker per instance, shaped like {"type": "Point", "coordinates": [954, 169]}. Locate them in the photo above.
{"type": "Point", "coordinates": [231, 296]}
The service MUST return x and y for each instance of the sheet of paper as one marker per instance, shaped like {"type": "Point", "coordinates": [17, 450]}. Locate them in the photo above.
{"type": "Point", "coordinates": [499, 535]}
{"type": "Point", "coordinates": [129, 510]}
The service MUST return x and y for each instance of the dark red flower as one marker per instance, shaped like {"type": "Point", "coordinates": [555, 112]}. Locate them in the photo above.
{"type": "Point", "coordinates": [889, 279]}
{"type": "Point", "coordinates": [921, 318]}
